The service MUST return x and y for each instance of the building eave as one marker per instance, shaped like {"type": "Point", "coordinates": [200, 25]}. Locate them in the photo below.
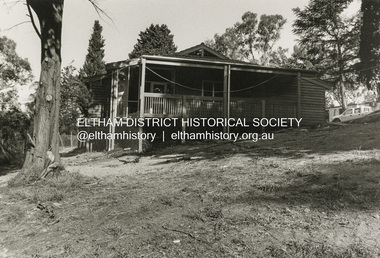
{"type": "Point", "coordinates": [238, 65]}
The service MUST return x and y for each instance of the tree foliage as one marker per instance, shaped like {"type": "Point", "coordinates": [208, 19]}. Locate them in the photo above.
{"type": "Point", "coordinates": [251, 40]}
{"type": "Point", "coordinates": [14, 125]}
{"type": "Point", "coordinates": [330, 42]}
{"type": "Point", "coordinates": [247, 32]}
{"type": "Point", "coordinates": [14, 70]}
{"type": "Point", "coordinates": [268, 34]}
{"type": "Point", "coordinates": [278, 58]}
{"type": "Point", "coordinates": [369, 67]}
{"type": "Point", "coordinates": [229, 44]}
{"type": "Point", "coordinates": [155, 40]}
{"type": "Point", "coordinates": [75, 99]}
{"type": "Point", "coordinates": [94, 63]}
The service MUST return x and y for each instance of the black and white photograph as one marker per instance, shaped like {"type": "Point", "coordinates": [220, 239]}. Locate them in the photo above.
{"type": "Point", "coordinates": [177, 128]}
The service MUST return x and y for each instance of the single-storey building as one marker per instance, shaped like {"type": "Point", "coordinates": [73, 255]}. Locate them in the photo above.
{"type": "Point", "coordinates": [200, 82]}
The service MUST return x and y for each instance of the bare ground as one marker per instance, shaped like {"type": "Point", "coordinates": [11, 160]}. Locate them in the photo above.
{"type": "Point", "coordinates": [307, 193]}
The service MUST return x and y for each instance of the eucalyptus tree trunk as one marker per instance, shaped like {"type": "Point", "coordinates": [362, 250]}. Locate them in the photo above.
{"type": "Point", "coordinates": [342, 90]}
{"type": "Point", "coordinates": [45, 138]}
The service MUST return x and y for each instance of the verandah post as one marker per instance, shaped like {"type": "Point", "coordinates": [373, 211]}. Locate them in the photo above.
{"type": "Point", "coordinates": [184, 115]}
{"type": "Point", "coordinates": [142, 100]}
{"type": "Point", "coordinates": [263, 113]}
{"type": "Point", "coordinates": [226, 94]}
{"type": "Point", "coordinates": [113, 113]}
{"type": "Point", "coordinates": [299, 95]}
{"type": "Point", "coordinates": [126, 93]}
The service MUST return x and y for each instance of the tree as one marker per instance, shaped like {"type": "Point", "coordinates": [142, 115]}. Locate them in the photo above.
{"type": "Point", "coordinates": [369, 67]}
{"type": "Point", "coordinates": [300, 58]}
{"type": "Point", "coordinates": [331, 42]}
{"type": "Point", "coordinates": [44, 142]}
{"type": "Point", "coordinates": [75, 99]}
{"type": "Point", "coordinates": [248, 31]}
{"type": "Point", "coordinates": [250, 40]}
{"type": "Point", "coordinates": [14, 125]}
{"type": "Point", "coordinates": [268, 34]}
{"type": "Point", "coordinates": [94, 63]}
{"type": "Point", "coordinates": [278, 58]}
{"type": "Point", "coordinates": [44, 151]}
{"type": "Point", "coordinates": [14, 70]}
{"type": "Point", "coordinates": [230, 44]}
{"type": "Point", "coordinates": [155, 40]}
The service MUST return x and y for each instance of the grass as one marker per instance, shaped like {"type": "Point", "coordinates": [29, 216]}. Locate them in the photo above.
{"type": "Point", "coordinates": [115, 230]}
{"type": "Point", "coordinates": [51, 189]}
{"type": "Point", "coordinates": [251, 203]}
{"type": "Point", "coordinates": [317, 250]}
{"type": "Point", "coordinates": [37, 195]}
{"type": "Point", "coordinates": [12, 215]}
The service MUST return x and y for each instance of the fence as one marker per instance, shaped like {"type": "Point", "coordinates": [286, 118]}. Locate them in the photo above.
{"type": "Point", "coordinates": [157, 105]}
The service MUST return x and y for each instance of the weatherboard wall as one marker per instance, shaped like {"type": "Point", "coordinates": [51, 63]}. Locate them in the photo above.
{"type": "Point", "coordinates": [312, 103]}
{"type": "Point", "coordinates": [99, 89]}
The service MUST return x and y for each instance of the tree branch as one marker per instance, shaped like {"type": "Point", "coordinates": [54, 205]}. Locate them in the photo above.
{"type": "Point", "coordinates": [100, 11]}
{"type": "Point", "coordinates": [32, 19]}
{"type": "Point", "coordinates": [18, 24]}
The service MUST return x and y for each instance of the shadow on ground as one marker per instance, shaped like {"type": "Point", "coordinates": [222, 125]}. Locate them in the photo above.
{"type": "Point", "coordinates": [345, 185]}
{"type": "Point", "coordinates": [73, 152]}
{"type": "Point", "coordinates": [291, 143]}
{"type": "Point", "coordinates": [7, 167]}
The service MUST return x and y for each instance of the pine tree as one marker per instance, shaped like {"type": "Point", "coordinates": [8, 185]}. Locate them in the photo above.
{"type": "Point", "coordinates": [94, 63]}
{"type": "Point", "coordinates": [331, 42]}
{"type": "Point", "coordinates": [155, 40]}
{"type": "Point", "coordinates": [369, 67]}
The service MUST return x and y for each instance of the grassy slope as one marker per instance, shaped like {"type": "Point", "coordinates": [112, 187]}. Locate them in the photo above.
{"type": "Point", "coordinates": [305, 194]}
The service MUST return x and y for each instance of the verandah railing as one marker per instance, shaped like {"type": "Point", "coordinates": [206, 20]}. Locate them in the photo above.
{"type": "Point", "coordinates": [166, 105]}
{"type": "Point", "coordinates": [253, 107]}
{"type": "Point", "coordinates": [156, 104]}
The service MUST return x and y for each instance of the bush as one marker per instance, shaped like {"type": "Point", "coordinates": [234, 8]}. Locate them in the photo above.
{"type": "Point", "coordinates": [14, 125]}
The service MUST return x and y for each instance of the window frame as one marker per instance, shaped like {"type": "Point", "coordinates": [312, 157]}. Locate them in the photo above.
{"type": "Point", "coordinates": [214, 88]}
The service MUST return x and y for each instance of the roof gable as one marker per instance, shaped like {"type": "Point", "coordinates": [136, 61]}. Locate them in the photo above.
{"type": "Point", "coordinates": [202, 50]}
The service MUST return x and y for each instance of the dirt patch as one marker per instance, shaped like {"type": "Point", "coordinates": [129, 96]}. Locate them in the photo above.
{"type": "Point", "coordinates": [307, 193]}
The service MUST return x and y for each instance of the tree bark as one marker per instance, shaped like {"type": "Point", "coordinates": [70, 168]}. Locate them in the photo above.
{"type": "Point", "coordinates": [342, 94]}
{"type": "Point", "coordinates": [46, 116]}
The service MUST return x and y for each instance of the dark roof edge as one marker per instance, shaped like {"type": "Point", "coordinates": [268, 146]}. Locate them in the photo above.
{"type": "Point", "coordinates": [237, 64]}
{"type": "Point", "coordinates": [94, 78]}
{"type": "Point", "coordinates": [226, 62]}
{"type": "Point", "coordinates": [118, 64]}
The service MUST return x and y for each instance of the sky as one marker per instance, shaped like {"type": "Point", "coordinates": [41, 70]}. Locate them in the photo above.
{"type": "Point", "coordinates": [191, 22]}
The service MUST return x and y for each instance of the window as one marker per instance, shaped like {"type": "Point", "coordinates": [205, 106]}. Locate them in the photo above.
{"type": "Point", "coordinates": [159, 87]}
{"type": "Point", "coordinates": [212, 89]}
{"type": "Point", "coordinates": [348, 112]}
{"type": "Point", "coordinates": [160, 80]}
